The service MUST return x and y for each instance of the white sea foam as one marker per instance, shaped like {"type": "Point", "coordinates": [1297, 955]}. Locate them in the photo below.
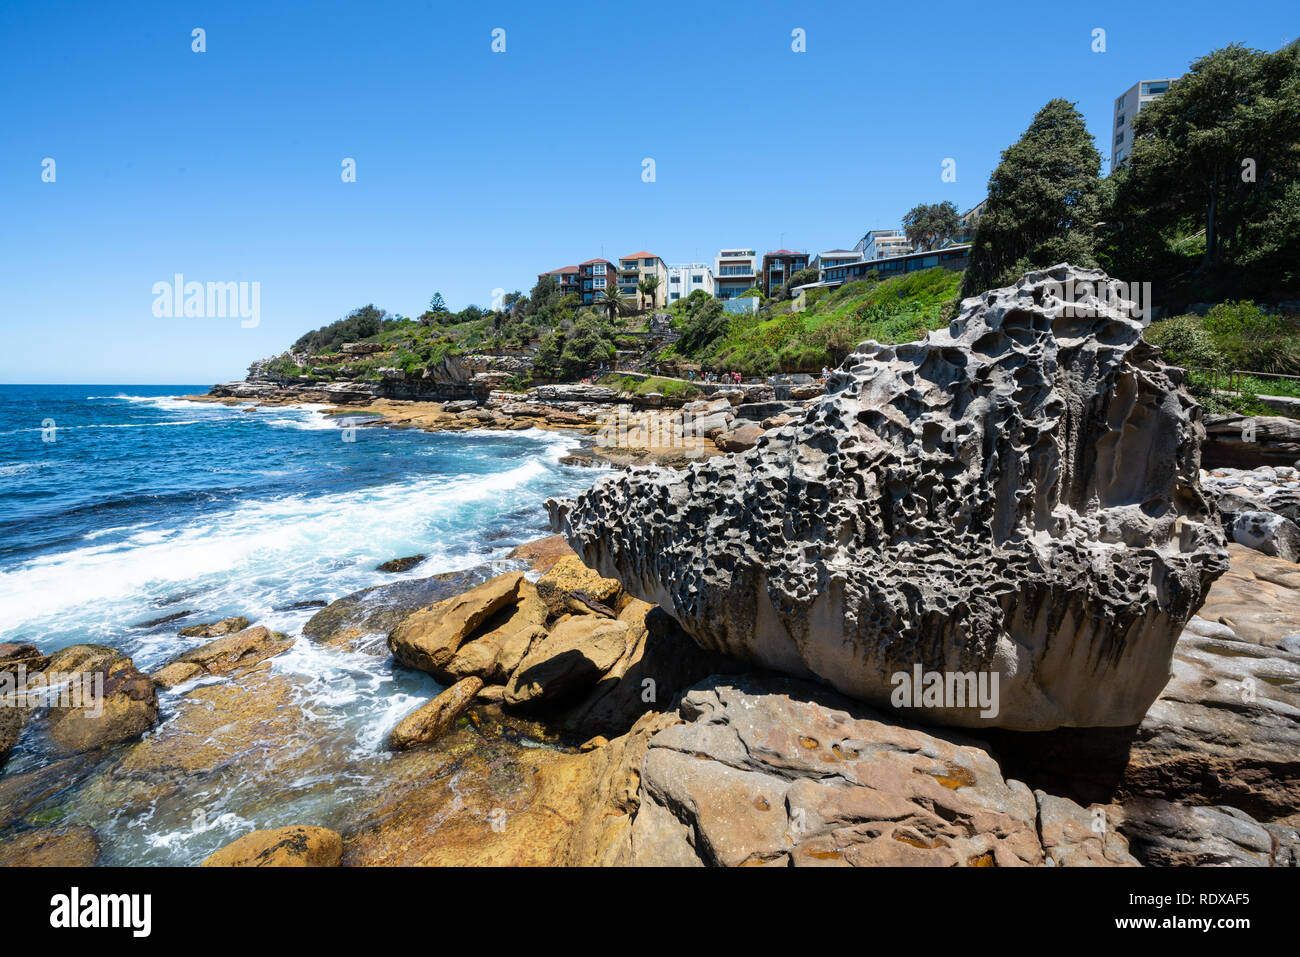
{"type": "Point", "coordinates": [258, 555]}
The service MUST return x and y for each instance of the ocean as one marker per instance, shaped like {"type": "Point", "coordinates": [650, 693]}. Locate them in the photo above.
{"type": "Point", "coordinates": [123, 505]}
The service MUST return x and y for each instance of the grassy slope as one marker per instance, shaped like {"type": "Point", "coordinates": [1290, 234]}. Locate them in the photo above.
{"type": "Point", "coordinates": [894, 310]}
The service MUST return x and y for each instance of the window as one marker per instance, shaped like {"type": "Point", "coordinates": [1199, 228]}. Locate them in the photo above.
{"type": "Point", "coordinates": [1156, 88]}
{"type": "Point", "coordinates": [698, 279]}
{"type": "Point", "coordinates": [600, 284]}
{"type": "Point", "coordinates": [1119, 137]}
{"type": "Point", "coordinates": [647, 262]}
{"type": "Point", "coordinates": [675, 295]}
{"type": "Point", "coordinates": [674, 279]}
{"type": "Point", "coordinates": [598, 269]}
{"type": "Point", "coordinates": [1119, 104]}
{"type": "Point", "coordinates": [1119, 122]}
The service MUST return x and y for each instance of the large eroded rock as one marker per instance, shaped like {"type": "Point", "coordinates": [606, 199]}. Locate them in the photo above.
{"type": "Point", "coordinates": [1018, 495]}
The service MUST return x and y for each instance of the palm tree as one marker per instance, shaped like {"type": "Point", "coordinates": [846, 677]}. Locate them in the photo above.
{"type": "Point", "coordinates": [649, 286]}
{"type": "Point", "coordinates": [611, 300]}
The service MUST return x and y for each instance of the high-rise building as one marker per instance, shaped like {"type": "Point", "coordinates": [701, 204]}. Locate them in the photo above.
{"type": "Point", "coordinates": [1127, 107]}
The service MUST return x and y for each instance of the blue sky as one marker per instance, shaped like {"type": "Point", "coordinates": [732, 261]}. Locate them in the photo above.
{"type": "Point", "coordinates": [477, 170]}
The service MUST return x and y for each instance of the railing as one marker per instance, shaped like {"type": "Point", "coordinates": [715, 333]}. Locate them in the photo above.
{"type": "Point", "coordinates": [1232, 381]}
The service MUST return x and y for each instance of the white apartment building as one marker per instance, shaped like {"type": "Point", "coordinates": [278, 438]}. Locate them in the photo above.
{"type": "Point", "coordinates": [883, 244]}
{"type": "Point", "coordinates": [685, 278]}
{"type": "Point", "coordinates": [735, 271]}
{"type": "Point", "coordinates": [1127, 107]}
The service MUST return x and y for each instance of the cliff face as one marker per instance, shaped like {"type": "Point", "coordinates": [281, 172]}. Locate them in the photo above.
{"type": "Point", "coordinates": [1017, 497]}
{"type": "Point", "coordinates": [454, 377]}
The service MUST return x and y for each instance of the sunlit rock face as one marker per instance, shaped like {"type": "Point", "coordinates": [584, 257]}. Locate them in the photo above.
{"type": "Point", "coordinates": [1016, 496]}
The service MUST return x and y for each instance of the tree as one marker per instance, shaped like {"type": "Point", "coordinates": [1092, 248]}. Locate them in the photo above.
{"type": "Point", "coordinates": [800, 278]}
{"type": "Point", "coordinates": [547, 361]}
{"type": "Point", "coordinates": [706, 322]}
{"type": "Point", "coordinates": [649, 286]}
{"type": "Point", "coordinates": [931, 223]}
{"type": "Point", "coordinates": [1042, 203]}
{"type": "Point", "coordinates": [356, 325]}
{"type": "Point", "coordinates": [437, 305]}
{"type": "Point", "coordinates": [1219, 152]}
{"type": "Point", "coordinates": [588, 343]}
{"type": "Point", "coordinates": [611, 300]}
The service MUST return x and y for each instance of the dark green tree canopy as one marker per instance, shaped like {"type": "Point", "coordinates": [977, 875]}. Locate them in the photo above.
{"type": "Point", "coordinates": [1043, 202]}
{"type": "Point", "coordinates": [1214, 173]}
{"type": "Point", "coordinates": [358, 324]}
{"type": "Point", "coordinates": [931, 223]}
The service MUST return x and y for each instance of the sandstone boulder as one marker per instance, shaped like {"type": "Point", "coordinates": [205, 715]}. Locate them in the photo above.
{"type": "Point", "coordinates": [433, 719]}
{"type": "Point", "coordinates": [108, 699]}
{"type": "Point", "coordinates": [570, 587]}
{"type": "Point", "coordinates": [1017, 496]}
{"type": "Point", "coordinates": [739, 439]}
{"type": "Point", "coordinates": [572, 658]}
{"type": "Point", "coordinates": [429, 639]}
{"type": "Point", "coordinates": [16, 655]}
{"type": "Point", "coordinates": [295, 846]}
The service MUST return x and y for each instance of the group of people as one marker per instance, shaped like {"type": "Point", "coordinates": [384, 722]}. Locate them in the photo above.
{"type": "Point", "coordinates": [730, 378]}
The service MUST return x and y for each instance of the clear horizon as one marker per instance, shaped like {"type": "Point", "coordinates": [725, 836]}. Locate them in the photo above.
{"type": "Point", "coordinates": [476, 170]}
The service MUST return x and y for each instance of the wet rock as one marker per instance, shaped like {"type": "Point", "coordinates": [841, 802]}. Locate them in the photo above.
{"type": "Point", "coordinates": [112, 702]}
{"type": "Point", "coordinates": [401, 564]}
{"type": "Point", "coordinates": [226, 626]}
{"type": "Point", "coordinates": [1268, 533]}
{"type": "Point", "coordinates": [295, 846]}
{"type": "Point", "coordinates": [435, 718]}
{"type": "Point", "coordinates": [16, 655]}
{"type": "Point", "coordinates": [460, 405]}
{"type": "Point", "coordinates": [362, 620]}
{"type": "Point", "coordinates": [1018, 495]}
{"type": "Point", "coordinates": [12, 720]}
{"type": "Point", "coordinates": [223, 656]}
{"type": "Point", "coordinates": [429, 639]}
{"type": "Point", "coordinates": [72, 846]}
{"type": "Point", "coordinates": [164, 620]}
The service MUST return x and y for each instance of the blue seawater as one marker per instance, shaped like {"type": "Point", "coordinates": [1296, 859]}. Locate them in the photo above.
{"type": "Point", "coordinates": [122, 505]}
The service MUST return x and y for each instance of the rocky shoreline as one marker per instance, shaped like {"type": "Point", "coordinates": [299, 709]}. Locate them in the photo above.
{"type": "Point", "coordinates": [701, 668]}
